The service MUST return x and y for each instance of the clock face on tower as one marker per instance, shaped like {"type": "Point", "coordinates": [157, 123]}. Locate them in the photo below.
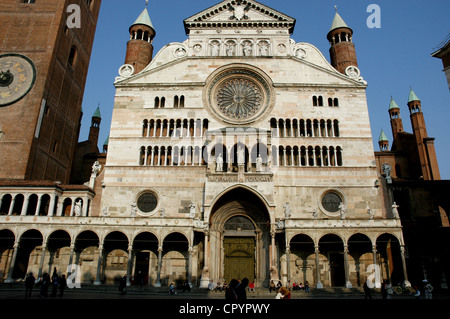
{"type": "Point", "coordinates": [17, 77]}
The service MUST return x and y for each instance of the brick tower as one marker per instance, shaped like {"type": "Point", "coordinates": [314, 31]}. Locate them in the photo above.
{"type": "Point", "coordinates": [396, 120]}
{"type": "Point", "coordinates": [425, 144]}
{"type": "Point", "coordinates": [44, 63]}
{"type": "Point", "coordinates": [140, 47]}
{"type": "Point", "coordinates": [342, 50]}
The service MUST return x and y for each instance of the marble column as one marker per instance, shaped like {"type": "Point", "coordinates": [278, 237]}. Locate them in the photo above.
{"type": "Point", "coordinates": [348, 284]}
{"type": "Point", "coordinates": [405, 273]}
{"type": "Point", "coordinates": [10, 279]}
{"type": "Point", "coordinates": [99, 265]}
{"type": "Point", "coordinates": [158, 274]}
{"type": "Point", "coordinates": [319, 284]}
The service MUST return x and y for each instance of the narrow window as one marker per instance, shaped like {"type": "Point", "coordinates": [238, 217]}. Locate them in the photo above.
{"type": "Point", "coordinates": [72, 56]}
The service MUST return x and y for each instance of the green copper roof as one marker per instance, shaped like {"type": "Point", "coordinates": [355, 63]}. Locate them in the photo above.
{"type": "Point", "coordinates": [393, 105]}
{"type": "Point", "coordinates": [383, 137]}
{"type": "Point", "coordinates": [412, 96]}
{"type": "Point", "coordinates": [338, 22]}
{"type": "Point", "coordinates": [144, 19]}
{"type": "Point", "coordinates": [97, 113]}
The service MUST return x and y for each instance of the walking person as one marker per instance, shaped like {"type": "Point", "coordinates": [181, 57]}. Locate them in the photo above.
{"type": "Point", "coordinates": [45, 283]}
{"type": "Point", "coordinates": [241, 289]}
{"type": "Point", "coordinates": [230, 292]}
{"type": "Point", "coordinates": [55, 283]}
{"type": "Point", "coordinates": [62, 285]}
{"type": "Point", "coordinates": [123, 285]}
{"type": "Point", "coordinates": [29, 284]}
{"type": "Point", "coordinates": [367, 291]}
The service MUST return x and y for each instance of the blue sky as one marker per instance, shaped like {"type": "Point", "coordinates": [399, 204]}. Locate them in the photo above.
{"type": "Point", "coordinates": [392, 58]}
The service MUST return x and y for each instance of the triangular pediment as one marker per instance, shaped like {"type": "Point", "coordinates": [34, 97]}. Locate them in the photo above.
{"type": "Point", "coordinates": [239, 12]}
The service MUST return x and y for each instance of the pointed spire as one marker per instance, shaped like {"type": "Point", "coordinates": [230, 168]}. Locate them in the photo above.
{"type": "Point", "coordinates": [97, 112]}
{"type": "Point", "coordinates": [144, 18]}
{"type": "Point", "coordinates": [393, 104]}
{"type": "Point", "coordinates": [412, 96]}
{"type": "Point", "coordinates": [338, 22]}
{"type": "Point", "coordinates": [382, 137]}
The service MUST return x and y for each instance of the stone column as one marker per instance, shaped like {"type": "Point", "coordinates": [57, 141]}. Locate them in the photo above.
{"type": "Point", "coordinates": [288, 263]}
{"type": "Point", "coordinates": [158, 274]}
{"type": "Point", "coordinates": [405, 273]}
{"type": "Point", "coordinates": [129, 264]}
{"type": "Point", "coordinates": [11, 206]}
{"type": "Point", "coordinates": [319, 284]}
{"type": "Point", "coordinates": [347, 272]}
{"type": "Point", "coordinates": [38, 206]}
{"type": "Point", "coordinates": [41, 264]}
{"type": "Point", "coordinates": [10, 279]}
{"type": "Point", "coordinates": [190, 252]}
{"type": "Point", "coordinates": [72, 251]}
{"type": "Point", "coordinates": [204, 281]}
{"type": "Point", "coordinates": [26, 199]}
{"type": "Point", "coordinates": [52, 205]}
{"type": "Point", "coordinates": [99, 264]}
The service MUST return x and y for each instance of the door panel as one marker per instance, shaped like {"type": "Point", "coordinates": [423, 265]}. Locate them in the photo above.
{"type": "Point", "coordinates": [239, 258]}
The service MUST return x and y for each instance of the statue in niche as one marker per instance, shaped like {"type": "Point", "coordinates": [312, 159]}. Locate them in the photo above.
{"type": "Point", "coordinates": [215, 48]}
{"type": "Point", "coordinates": [247, 48]}
{"type": "Point", "coordinates": [219, 163]}
{"type": "Point", "coordinates": [395, 210]}
{"type": "Point", "coordinates": [259, 163]}
{"type": "Point", "coordinates": [77, 209]}
{"type": "Point", "coordinates": [263, 48]}
{"type": "Point", "coordinates": [230, 48]}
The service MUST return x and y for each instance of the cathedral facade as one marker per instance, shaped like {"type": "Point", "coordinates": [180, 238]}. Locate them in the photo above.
{"type": "Point", "coordinates": [236, 153]}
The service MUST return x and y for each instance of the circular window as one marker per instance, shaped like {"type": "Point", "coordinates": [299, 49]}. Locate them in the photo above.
{"type": "Point", "coordinates": [331, 202]}
{"type": "Point", "coordinates": [238, 94]}
{"type": "Point", "coordinates": [239, 98]}
{"type": "Point", "coordinates": [147, 202]}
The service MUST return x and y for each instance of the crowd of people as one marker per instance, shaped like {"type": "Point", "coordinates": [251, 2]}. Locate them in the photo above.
{"type": "Point", "coordinates": [56, 282]}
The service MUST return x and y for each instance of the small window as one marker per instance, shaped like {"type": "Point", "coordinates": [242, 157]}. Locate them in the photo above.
{"type": "Point", "coordinates": [28, 1]}
{"type": "Point", "coordinates": [72, 56]}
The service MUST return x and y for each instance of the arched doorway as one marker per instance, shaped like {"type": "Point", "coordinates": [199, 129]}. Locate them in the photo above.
{"type": "Point", "coordinates": [240, 237]}
{"type": "Point", "coordinates": [239, 248]}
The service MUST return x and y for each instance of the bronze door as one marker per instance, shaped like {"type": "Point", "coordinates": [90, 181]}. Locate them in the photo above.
{"type": "Point", "coordinates": [239, 258]}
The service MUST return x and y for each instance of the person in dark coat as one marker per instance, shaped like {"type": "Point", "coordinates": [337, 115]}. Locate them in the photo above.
{"type": "Point", "coordinates": [45, 283]}
{"type": "Point", "coordinates": [230, 293]}
{"type": "Point", "coordinates": [241, 290]}
{"type": "Point", "coordinates": [55, 283]}
{"type": "Point", "coordinates": [123, 285]}
{"type": "Point", "coordinates": [62, 285]}
{"type": "Point", "coordinates": [367, 291]}
{"type": "Point", "coordinates": [29, 284]}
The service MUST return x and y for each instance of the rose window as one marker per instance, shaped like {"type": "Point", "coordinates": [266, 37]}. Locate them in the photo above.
{"type": "Point", "coordinates": [239, 98]}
